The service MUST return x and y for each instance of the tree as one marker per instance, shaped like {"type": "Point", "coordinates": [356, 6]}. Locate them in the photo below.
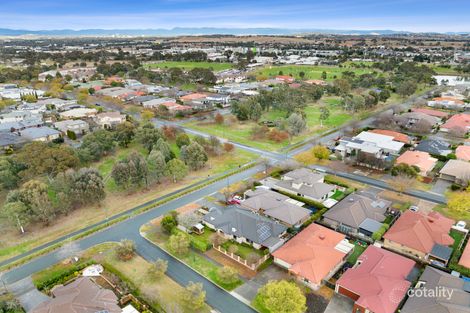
{"type": "Point", "coordinates": [179, 243]}
{"type": "Point", "coordinates": [401, 182]}
{"type": "Point", "coordinates": [324, 115]}
{"type": "Point", "coordinates": [422, 127]}
{"type": "Point", "coordinates": [343, 86]}
{"type": "Point", "coordinates": [9, 173]}
{"type": "Point", "coordinates": [228, 147]}
{"type": "Point", "coordinates": [176, 169]}
{"type": "Point", "coordinates": [158, 268]}
{"type": "Point", "coordinates": [188, 220]}
{"type": "Point", "coordinates": [124, 133]}
{"type": "Point", "coordinates": [406, 170]}
{"type": "Point", "coordinates": [227, 274]}
{"type": "Point", "coordinates": [148, 136]}
{"type": "Point", "coordinates": [165, 149]}
{"type": "Point", "coordinates": [193, 296]}
{"type": "Point", "coordinates": [323, 75]}
{"type": "Point", "coordinates": [17, 213]}
{"type": "Point", "coordinates": [407, 88]}
{"type": "Point", "coordinates": [156, 165]}
{"type": "Point", "coordinates": [168, 223]}
{"type": "Point", "coordinates": [194, 156]}
{"type": "Point", "coordinates": [125, 250]}
{"type": "Point", "coordinates": [182, 140]}
{"type": "Point", "coordinates": [321, 152]}
{"type": "Point", "coordinates": [296, 124]}
{"type": "Point", "coordinates": [87, 186]}
{"type": "Point", "coordinates": [96, 145]}
{"type": "Point", "coordinates": [217, 239]}
{"type": "Point", "coordinates": [282, 297]}
{"type": "Point", "coordinates": [459, 202]}
{"type": "Point", "coordinates": [219, 119]}
{"type": "Point", "coordinates": [147, 115]}
{"type": "Point", "coordinates": [40, 158]}
{"type": "Point", "coordinates": [131, 171]}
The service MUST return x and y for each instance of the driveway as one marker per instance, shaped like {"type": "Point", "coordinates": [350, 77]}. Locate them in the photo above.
{"type": "Point", "coordinates": [25, 291]}
{"type": "Point", "coordinates": [440, 187]}
{"type": "Point", "coordinates": [249, 289]}
{"type": "Point", "coordinates": [340, 304]}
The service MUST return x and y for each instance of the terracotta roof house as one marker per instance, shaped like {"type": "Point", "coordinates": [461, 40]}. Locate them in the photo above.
{"type": "Point", "coordinates": [314, 255]}
{"type": "Point", "coordinates": [431, 112]}
{"type": "Point", "coordinates": [422, 235]}
{"type": "Point", "coordinates": [285, 78]}
{"type": "Point", "coordinates": [465, 258]}
{"type": "Point", "coordinates": [455, 299]}
{"type": "Point", "coordinates": [396, 135]}
{"type": "Point", "coordinates": [378, 282]}
{"type": "Point", "coordinates": [277, 206]}
{"type": "Point", "coordinates": [193, 96]}
{"type": "Point", "coordinates": [421, 159]}
{"type": "Point", "coordinates": [317, 82]}
{"type": "Point", "coordinates": [305, 183]}
{"type": "Point", "coordinates": [463, 153]}
{"type": "Point", "coordinates": [80, 296]}
{"type": "Point", "coordinates": [357, 214]}
{"type": "Point", "coordinates": [458, 121]}
{"type": "Point", "coordinates": [456, 171]}
{"type": "Point", "coordinates": [446, 102]}
{"type": "Point", "coordinates": [246, 227]}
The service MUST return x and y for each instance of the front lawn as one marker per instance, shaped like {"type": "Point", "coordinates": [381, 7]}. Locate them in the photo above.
{"type": "Point", "coordinates": [338, 195]}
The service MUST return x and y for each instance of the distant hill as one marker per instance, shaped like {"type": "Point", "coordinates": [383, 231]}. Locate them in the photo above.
{"type": "Point", "coordinates": [180, 31]}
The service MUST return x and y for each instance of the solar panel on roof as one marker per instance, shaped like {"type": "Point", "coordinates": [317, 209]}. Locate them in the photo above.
{"type": "Point", "coordinates": [264, 232]}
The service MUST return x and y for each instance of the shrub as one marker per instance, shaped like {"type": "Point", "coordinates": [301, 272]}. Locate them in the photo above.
{"type": "Point", "coordinates": [125, 251]}
{"type": "Point", "coordinates": [278, 135]}
{"type": "Point", "coordinates": [60, 276]}
{"type": "Point", "coordinates": [382, 230]}
{"type": "Point", "coordinates": [227, 275]}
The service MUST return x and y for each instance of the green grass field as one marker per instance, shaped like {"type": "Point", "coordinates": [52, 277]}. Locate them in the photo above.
{"type": "Point", "coordinates": [311, 71]}
{"type": "Point", "coordinates": [445, 70]}
{"type": "Point", "coordinates": [215, 66]}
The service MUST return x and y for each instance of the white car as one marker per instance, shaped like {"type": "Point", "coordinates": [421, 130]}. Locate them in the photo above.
{"type": "Point", "coordinates": [414, 208]}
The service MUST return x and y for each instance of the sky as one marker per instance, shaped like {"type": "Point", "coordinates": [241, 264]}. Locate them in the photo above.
{"type": "Point", "coordinates": [406, 15]}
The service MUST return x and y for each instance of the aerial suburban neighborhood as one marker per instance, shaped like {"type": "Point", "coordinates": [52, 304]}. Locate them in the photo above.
{"type": "Point", "coordinates": [174, 157]}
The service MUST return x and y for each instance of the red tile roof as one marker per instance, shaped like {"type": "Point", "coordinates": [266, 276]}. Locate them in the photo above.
{"type": "Point", "coordinates": [193, 96]}
{"type": "Point", "coordinates": [421, 159]}
{"type": "Point", "coordinates": [379, 279]}
{"type": "Point", "coordinates": [465, 258]}
{"type": "Point", "coordinates": [396, 135]}
{"type": "Point", "coordinates": [463, 153]}
{"type": "Point", "coordinates": [285, 78]}
{"type": "Point", "coordinates": [459, 120]}
{"type": "Point", "coordinates": [457, 101]}
{"type": "Point", "coordinates": [421, 231]}
{"type": "Point", "coordinates": [431, 112]}
{"type": "Point", "coordinates": [312, 253]}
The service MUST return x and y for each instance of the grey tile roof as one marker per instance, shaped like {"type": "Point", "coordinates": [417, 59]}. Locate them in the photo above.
{"type": "Point", "coordinates": [316, 190]}
{"type": "Point", "coordinates": [242, 223]}
{"type": "Point", "coordinates": [39, 132]}
{"type": "Point", "coordinates": [370, 225]}
{"type": "Point", "coordinates": [442, 252]}
{"type": "Point", "coordinates": [457, 302]}
{"type": "Point", "coordinates": [434, 146]}
{"type": "Point", "coordinates": [275, 205]}
{"type": "Point", "coordinates": [355, 208]}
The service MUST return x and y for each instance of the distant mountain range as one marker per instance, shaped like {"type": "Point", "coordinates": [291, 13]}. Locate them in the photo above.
{"type": "Point", "coordinates": [181, 31]}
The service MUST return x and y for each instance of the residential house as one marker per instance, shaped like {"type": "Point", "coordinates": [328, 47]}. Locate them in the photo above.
{"type": "Point", "coordinates": [78, 127]}
{"type": "Point", "coordinates": [155, 103]}
{"type": "Point", "coordinates": [431, 112]}
{"type": "Point", "coordinates": [378, 146]}
{"type": "Point", "coordinates": [109, 120]}
{"type": "Point", "coordinates": [397, 136]}
{"type": "Point", "coordinates": [141, 99]}
{"type": "Point", "coordinates": [409, 119]}
{"type": "Point", "coordinates": [78, 113]}
{"type": "Point", "coordinates": [17, 93]}
{"type": "Point", "coordinates": [463, 153]}
{"type": "Point", "coordinates": [317, 82]}
{"type": "Point", "coordinates": [77, 74]}
{"type": "Point", "coordinates": [19, 116]}
{"type": "Point", "coordinates": [277, 206]}
{"type": "Point", "coordinates": [82, 295]}
{"type": "Point", "coordinates": [434, 147]}
{"type": "Point", "coordinates": [244, 226]}
{"type": "Point", "coordinates": [453, 298]}
{"type": "Point", "coordinates": [305, 183]}
{"type": "Point", "coordinates": [422, 235]}
{"type": "Point", "coordinates": [456, 171]}
{"type": "Point", "coordinates": [446, 102]}
{"type": "Point", "coordinates": [423, 160]}
{"type": "Point", "coordinates": [357, 213]}
{"type": "Point", "coordinates": [193, 96]}
{"type": "Point", "coordinates": [313, 255]}
{"type": "Point", "coordinates": [16, 126]}
{"type": "Point", "coordinates": [285, 79]}
{"type": "Point", "coordinates": [378, 282]}
{"type": "Point", "coordinates": [120, 93]}
{"type": "Point", "coordinates": [219, 99]}
{"type": "Point", "coordinates": [458, 122]}
{"type": "Point", "coordinates": [56, 103]}
{"type": "Point", "coordinates": [10, 140]}
{"type": "Point", "coordinates": [44, 134]}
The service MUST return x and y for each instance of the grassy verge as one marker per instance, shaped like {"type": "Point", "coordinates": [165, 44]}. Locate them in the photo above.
{"type": "Point", "coordinates": [130, 213]}
{"type": "Point", "coordinates": [187, 65]}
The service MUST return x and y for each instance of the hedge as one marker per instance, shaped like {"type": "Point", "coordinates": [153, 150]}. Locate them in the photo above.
{"type": "Point", "coordinates": [378, 234]}
{"type": "Point", "coordinates": [200, 244]}
{"type": "Point", "coordinates": [331, 180]}
{"type": "Point", "coordinates": [315, 216]}
{"type": "Point", "coordinates": [61, 276]}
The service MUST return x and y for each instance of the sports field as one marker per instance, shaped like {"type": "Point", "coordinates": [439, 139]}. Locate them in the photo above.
{"type": "Point", "coordinates": [215, 66]}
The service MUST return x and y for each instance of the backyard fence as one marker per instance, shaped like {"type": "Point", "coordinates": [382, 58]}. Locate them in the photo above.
{"type": "Point", "coordinates": [242, 261]}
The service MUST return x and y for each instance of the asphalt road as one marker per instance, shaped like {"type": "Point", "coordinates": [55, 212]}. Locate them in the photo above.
{"type": "Point", "coordinates": [129, 229]}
